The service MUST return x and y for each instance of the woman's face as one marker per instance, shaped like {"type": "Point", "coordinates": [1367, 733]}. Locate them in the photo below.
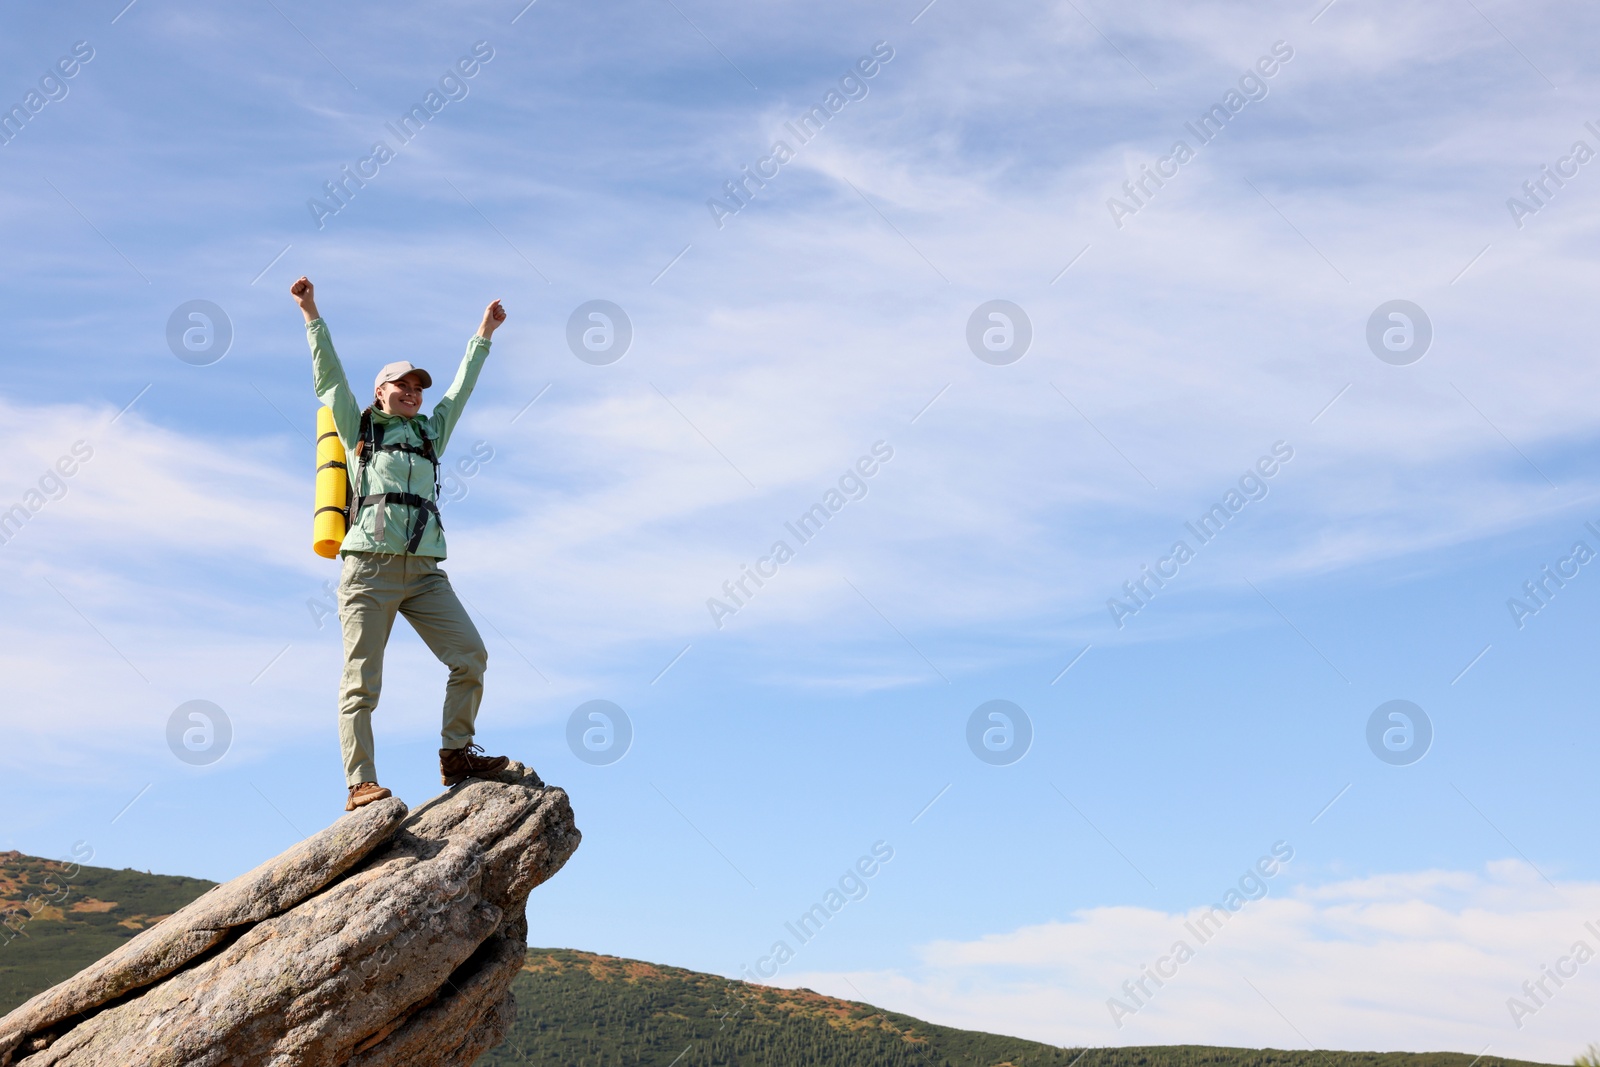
{"type": "Point", "coordinates": [402, 396]}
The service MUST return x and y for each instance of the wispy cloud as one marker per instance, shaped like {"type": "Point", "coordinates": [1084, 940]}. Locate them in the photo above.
{"type": "Point", "coordinates": [1423, 961]}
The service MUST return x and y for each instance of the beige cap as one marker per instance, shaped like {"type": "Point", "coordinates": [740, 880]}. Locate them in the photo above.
{"type": "Point", "coordinates": [395, 371]}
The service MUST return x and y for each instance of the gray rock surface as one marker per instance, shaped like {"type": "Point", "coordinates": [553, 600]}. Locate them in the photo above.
{"type": "Point", "coordinates": [383, 940]}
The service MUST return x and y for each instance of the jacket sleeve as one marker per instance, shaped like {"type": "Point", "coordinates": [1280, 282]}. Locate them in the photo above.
{"type": "Point", "coordinates": [333, 389]}
{"type": "Point", "coordinates": [447, 412]}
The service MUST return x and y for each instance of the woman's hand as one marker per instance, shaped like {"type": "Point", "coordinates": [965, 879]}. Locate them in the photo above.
{"type": "Point", "coordinates": [493, 316]}
{"type": "Point", "coordinates": [305, 295]}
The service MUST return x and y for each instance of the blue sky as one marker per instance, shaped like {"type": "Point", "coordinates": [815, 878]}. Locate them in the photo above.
{"type": "Point", "coordinates": [1169, 354]}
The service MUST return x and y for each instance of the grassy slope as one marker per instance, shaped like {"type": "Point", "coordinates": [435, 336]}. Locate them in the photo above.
{"type": "Point", "coordinates": [52, 925]}
{"type": "Point", "coordinates": [577, 1009]}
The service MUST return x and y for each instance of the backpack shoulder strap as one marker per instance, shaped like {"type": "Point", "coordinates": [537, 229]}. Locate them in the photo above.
{"type": "Point", "coordinates": [352, 484]}
{"type": "Point", "coordinates": [427, 446]}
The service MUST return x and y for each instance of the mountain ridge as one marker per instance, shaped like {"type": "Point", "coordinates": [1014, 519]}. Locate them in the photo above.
{"type": "Point", "coordinates": [587, 1009]}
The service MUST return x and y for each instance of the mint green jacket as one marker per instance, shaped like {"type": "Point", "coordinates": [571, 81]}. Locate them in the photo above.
{"type": "Point", "coordinates": [391, 472]}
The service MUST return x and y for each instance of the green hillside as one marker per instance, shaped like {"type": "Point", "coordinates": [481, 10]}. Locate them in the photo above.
{"type": "Point", "coordinates": [57, 918]}
{"type": "Point", "coordinates": [578, 1009]}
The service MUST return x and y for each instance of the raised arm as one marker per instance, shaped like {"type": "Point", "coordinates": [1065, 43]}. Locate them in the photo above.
{"type": "Point", "coordinates": [447, 412]}
{"type": "Point", "coordinates": [327, 373]}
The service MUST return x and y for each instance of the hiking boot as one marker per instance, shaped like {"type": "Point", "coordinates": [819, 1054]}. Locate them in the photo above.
{"type": "Point", "coordinates": [364, 794]}
{"type": "Point", "coordinates": [459, 764]}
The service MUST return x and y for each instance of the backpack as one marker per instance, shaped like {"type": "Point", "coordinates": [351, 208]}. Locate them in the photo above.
{"type": "Point", "coordinates": [370, 441]}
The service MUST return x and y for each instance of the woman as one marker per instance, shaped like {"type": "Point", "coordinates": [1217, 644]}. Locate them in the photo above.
{"type": "Point", "coordinates": [392, 551]}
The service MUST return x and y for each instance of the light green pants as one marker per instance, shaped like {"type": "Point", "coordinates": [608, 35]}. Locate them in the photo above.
{"type": "Point", "coordinates": [372, 588]}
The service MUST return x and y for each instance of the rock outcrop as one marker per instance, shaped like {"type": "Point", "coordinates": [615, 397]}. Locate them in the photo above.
{"type": "Point", "coordinates": [383, 941]}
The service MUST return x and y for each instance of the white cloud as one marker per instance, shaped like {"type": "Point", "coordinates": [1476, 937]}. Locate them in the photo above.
{"type": "Point", "coordinates": [1419, 961]}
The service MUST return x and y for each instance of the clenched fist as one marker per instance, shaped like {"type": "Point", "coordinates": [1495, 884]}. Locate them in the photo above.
{"type": "Point", "coordinates": [493, 316]}
{"type": "Point", "coordinates": [304, 294]}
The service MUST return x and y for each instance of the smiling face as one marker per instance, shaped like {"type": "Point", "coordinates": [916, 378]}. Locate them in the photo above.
{"type": "Point", "coordinates": [403, 396]}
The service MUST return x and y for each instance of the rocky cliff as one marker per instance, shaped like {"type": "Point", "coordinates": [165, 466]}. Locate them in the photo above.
{"type": "Point", "coordinates": [387, 939]}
